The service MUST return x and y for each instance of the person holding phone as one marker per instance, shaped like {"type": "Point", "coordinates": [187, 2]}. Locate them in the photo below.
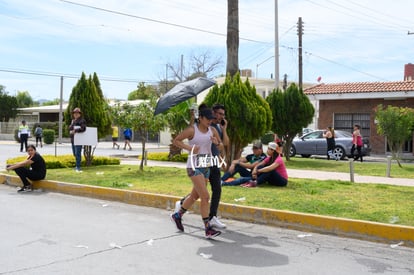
{"type": "Point", "coordinates": [220, 124]}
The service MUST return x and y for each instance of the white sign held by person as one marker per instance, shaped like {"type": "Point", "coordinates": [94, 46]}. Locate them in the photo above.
{"type": "Point", "coordinates": [89, 137]}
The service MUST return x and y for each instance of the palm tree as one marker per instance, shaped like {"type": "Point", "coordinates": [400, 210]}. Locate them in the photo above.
{"type": "Point", "coordinates": [232, 37]}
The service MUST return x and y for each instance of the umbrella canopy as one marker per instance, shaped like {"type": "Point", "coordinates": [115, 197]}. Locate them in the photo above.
{"type": "Point", "coordinates": [181, 92]}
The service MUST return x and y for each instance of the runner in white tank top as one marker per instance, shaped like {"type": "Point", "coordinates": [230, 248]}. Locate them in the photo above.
{"type": "Point", "coordinates": [200, 137]}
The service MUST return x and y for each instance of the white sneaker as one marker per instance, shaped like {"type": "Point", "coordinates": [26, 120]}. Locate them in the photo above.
{"type": "Point", "coordinates": [215, 222]}
{"type": "Point", "coordinates": [177, 206]}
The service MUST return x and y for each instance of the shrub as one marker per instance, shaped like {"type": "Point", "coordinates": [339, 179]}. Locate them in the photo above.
{"type": "Point", "coordinates": [48, 136]}
{"type": "Point", "coordinates": [163, 156]}
{"type": "Point", "coordinates": [180, 158]}
{"type": "Point", "coordinates": [68, 161]}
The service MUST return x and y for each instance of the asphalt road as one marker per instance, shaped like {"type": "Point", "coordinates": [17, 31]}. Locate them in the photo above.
{"type": "Point", "coordinates": [52, 233]}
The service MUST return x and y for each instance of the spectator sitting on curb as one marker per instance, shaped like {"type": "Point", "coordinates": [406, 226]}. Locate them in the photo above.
{"type": "Point", "coordinates": [244, 166]}
{"type": "Point", "coordinates": [37, 170]}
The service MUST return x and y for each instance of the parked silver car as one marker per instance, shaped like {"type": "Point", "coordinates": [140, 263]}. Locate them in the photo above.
{"type": "Point", "coordinates": [314, 143]}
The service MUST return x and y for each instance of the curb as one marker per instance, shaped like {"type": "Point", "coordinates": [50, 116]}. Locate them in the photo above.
{"type": "Point", "coordinates": [348, 228]}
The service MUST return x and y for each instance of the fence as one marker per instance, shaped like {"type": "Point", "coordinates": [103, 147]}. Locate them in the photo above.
{"type": "Point", "coordinates": [9, 127]}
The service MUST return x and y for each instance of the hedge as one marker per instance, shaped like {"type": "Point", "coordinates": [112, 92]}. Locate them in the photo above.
{"type": "Point", "coordinates": [68, 161]}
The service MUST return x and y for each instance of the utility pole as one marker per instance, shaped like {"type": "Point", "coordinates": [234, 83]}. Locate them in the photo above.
{"type": "Point", "coordinates": [276, 46]}
{"type": "Point", "coordinates": [182, 67]}
{"type": "Point", "coordinates": [61, 110]}
{"type": "Point", "coordinates": [300, 33]}
{"type": "Point", "coordinates": [166, 78]}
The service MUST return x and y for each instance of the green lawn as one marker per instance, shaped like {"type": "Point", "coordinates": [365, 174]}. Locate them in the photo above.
{"type": "Point", "coordinates": [371, 202]}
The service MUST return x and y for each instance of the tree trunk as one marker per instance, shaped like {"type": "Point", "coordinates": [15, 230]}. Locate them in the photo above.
{"type": "Point", "coordinates": [174, 150]}
{"type": "Point", "coordinates": [232, 37]}
{"type": "Point", "coordinates": [143, 140]}
{"type": "Point", "coordinates": [88, 154]}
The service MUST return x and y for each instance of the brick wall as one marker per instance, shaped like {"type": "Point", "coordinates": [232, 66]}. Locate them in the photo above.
{"type": "Point", "coordinates": [327, 108]}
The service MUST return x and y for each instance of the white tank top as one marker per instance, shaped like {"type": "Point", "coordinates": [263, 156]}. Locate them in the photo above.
{"type": "Point", "coordinates": [203, 140]}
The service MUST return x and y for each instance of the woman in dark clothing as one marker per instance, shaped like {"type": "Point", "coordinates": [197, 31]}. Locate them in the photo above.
{"type": "Point", "coordinates": [37, 170]}
{"type": "Point", "coordinates": [330, 140]}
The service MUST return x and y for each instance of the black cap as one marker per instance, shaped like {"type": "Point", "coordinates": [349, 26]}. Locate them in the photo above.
{"type": "Point", "coordinates": [207, 113]}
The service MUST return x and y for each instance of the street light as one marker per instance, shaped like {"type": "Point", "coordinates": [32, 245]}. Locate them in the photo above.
{"type": "Point", "coordinates": [257, 66]}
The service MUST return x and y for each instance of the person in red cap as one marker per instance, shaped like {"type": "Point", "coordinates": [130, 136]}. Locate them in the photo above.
{"type": "Point", "coordinates": [78, 125]}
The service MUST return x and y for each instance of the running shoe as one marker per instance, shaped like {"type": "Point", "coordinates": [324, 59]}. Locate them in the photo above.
{"type": "Point", "coordinates": [176, 218]}
{"type": "Point", "coordinates": [251, 184]}
{"type": "Point", "coordinates": [215, 222]}
{"type": "Point", "coordinates": [211, 233]}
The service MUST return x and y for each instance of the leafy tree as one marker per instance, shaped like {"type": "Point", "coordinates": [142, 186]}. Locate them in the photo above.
{"type": "Point", "coordinates": [24, 99]}
{"type": "Point", "coordinates": [248, 114]}
{"type": "Point", "coordinates": [103, 118]}
{"type": "Point", "coordinates": [140, 118]}
{"type": "Point", "coordinates": [55, 101]}
{"type": "Point", "coordinates": [178, 118]}
{"type": "Point", "coordinates": [88, 96]}
{"type": "Point", "coordinates": [8, 105]}
{"type": "Point", "coordinates": [397, 125]}
{"type": "Point", "coordinates": [292, 111]}
{"type": "Point", "coordinates": [142, 92]}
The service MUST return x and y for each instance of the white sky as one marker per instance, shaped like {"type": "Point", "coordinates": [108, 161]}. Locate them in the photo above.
{"type": "Point", "coordinates": [343, 41]}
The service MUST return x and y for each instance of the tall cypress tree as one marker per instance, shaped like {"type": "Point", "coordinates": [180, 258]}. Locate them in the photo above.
{"type": "Point", "coordinates": [247, 113]}
{"type": "Point", "coordinates": [88, 96]}
{"type": "Point", "coordinates": [292, 111]}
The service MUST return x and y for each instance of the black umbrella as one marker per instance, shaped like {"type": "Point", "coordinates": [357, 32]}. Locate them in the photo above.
{"type": "Point", "coordinates": [182, 92]}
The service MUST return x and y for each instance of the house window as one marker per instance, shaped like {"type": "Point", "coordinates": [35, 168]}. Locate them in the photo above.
{"type": "Point", "coordinates": [346, 122]}
{"type": "Point", "coordinates": [407, 147]}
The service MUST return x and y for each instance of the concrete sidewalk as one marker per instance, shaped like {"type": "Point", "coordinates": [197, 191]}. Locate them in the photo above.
{"type": "Point", "coordinates": [323, 175]}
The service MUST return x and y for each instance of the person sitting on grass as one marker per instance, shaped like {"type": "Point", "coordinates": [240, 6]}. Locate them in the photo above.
{"type": "Point", "coordinates": [244, 166]}
{"type": "Point", "coordinates": [37, 170]}
{"type": "Point", "coordinates": [272, 169]}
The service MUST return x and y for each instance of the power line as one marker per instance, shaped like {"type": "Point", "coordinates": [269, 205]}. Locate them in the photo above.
{"type": "Point", "coordinates": [157, 21]}
{"type": "Point", "coordinates": [345, 66]}
{"type": "Point", "coordinates": [354, 13]}
{"type": "Point", "coordinates": [73, 76]}
{"type": "Point", "coordinates": [392, 17]}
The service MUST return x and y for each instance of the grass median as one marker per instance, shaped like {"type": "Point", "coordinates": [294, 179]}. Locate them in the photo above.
{"type": "Point", "coordinates": [369, 202]}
